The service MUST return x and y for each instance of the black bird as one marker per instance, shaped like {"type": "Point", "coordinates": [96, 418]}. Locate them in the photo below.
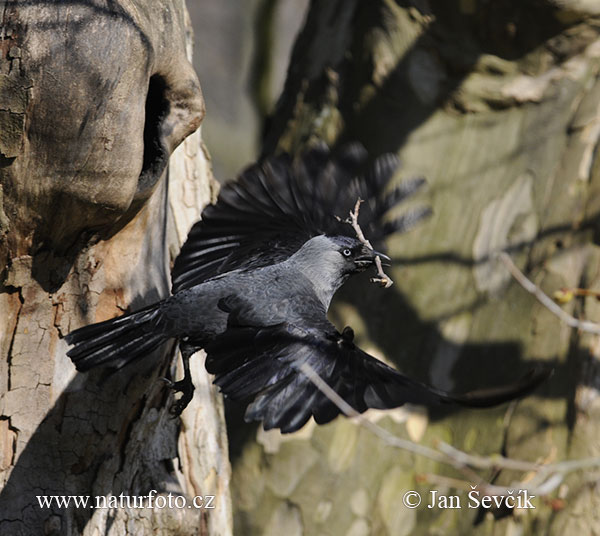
{"type": "Point", "coordinates": [253, 283]}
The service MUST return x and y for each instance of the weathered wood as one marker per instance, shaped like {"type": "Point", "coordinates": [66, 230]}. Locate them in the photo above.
{"type": "Point", "coordinates": [94, 97]}
{"type": "Point", "coordinates": [502, 116]}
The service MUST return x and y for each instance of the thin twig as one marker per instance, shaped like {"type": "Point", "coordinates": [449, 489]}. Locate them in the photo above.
{"type": "Point", "coordinates": [545, 300]}
{"type": "Point", "coordinates": [349, 411]}
{"type": "Point", "coordinates": [382, 278]}
{"type": "Point", "coordinates": [547, 477]}
{"type": "Point", "coordinates": [485, 462]}
{"type": "Point", "coordinates": [565, 295]}
{"type": "Point", "coordinates": [456, 483]}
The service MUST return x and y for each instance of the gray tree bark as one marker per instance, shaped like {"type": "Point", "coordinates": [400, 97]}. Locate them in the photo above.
{"type": "Point", "coordinates": [497, 104]}
{"type": "Point", "coordinates": [94, 97]}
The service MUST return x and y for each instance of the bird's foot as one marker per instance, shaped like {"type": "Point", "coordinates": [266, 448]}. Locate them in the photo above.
{"type": "Point", "coordinates": [170, 383]}
{"type": "Point", "coordinates": [186, 387]}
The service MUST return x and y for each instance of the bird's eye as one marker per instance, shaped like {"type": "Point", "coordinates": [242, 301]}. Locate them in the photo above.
{"type": "Point", "coordinates": [346, 253]}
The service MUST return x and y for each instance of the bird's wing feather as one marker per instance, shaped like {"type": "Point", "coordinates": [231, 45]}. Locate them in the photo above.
{"type": "Point", "coordinates": [264, 363]}
{"type": "Point", "coordinates": [275, 206]}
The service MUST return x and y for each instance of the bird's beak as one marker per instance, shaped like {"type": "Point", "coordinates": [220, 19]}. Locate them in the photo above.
{"type": "Point", "coordinates": [369, 256]}
{"type": "Point", "coordinates": [385, 260]}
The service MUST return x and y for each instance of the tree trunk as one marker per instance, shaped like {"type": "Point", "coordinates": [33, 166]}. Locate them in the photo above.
{"type": "Point", "coordinates": [497, 104]}
{"type": "Point", "coordinates": [94, 98]}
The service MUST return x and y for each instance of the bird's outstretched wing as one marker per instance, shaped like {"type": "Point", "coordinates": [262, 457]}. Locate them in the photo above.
{"type": "Point", "coordinates": [275, 206]}
{"type": "Point", "coordinates": [264, 363]}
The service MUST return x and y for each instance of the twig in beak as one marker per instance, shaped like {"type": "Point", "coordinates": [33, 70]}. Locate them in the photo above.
{"type": "Point", "coordinates": [382, 279]}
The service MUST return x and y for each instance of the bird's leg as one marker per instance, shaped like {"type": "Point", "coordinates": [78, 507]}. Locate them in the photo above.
{"type": "Point", "coordinates": [185, 385]}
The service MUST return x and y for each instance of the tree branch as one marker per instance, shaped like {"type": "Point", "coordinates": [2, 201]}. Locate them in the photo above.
{"type": "Point", "coordinates": [545, 300]}
{"type": "Point", "coordinates": [546, 476]}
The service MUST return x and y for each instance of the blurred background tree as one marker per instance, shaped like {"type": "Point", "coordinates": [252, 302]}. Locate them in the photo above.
{"type": "Point", "coordinates": [245, 45]}
{"type": "Point", "coordinates": [497, 104]}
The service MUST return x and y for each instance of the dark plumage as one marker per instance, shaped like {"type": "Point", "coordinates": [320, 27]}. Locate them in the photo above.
{"type": "Point", "coordinates": [253, 283]}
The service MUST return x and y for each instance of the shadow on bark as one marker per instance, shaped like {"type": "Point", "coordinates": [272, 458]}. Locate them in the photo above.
{"type": "Point", "coordinates": [104, 404]}
{"type": "Point", "coordinates": [61, 223]}
{"type": "Point", "coordinates": [453, 41]}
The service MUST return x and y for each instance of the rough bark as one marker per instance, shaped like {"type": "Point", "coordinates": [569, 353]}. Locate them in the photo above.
{"type": "Point", "coordinates": [497, 104]}
{"type": "Point", "coordinates": [94, 97]}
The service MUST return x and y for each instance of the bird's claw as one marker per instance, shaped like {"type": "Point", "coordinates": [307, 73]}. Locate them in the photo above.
{"type": "Point", "coordinates": [170, 383]}
{"type": "Point", "coordinates": [184, 386]}
{"type": "Point", "coordinates": [177, 408]}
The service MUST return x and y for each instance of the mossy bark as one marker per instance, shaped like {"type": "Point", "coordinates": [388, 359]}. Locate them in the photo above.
{"type": "Point", "coordinates": [497, 105]}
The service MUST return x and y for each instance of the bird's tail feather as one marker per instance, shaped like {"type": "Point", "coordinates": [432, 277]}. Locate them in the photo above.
{"type": "Point", "coordinates": [116, 342]}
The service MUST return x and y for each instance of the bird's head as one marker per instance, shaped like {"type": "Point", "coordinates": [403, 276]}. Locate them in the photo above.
{"type": "Point", "coordinates": [329, 260]}
{"type": "Point", "coordinates": [352, 255]}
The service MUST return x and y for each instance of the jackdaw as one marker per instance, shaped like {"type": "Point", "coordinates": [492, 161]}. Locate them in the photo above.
{"type": "Point", "coordinates": [253, 283]}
